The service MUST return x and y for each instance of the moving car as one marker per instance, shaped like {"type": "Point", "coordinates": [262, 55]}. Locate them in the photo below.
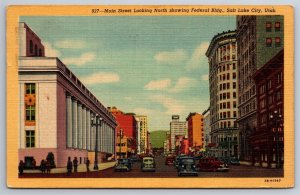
{"type": "Point", "coordinates": [148, 164]}
{"type": "Point", "coordinates": [187, 166]}
{"type": "Point", "coordinates": [123, 164]}
{"type": "Point", "coordinates": [170, 160]}
{"type": "Point", "coordinates": [212, 164]}
{"type": "Point", "coordinates": [177, 159]}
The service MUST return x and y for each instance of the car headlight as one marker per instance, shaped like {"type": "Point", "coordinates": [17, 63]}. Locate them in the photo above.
{"type": "Point", "coordinates": [182, 166]}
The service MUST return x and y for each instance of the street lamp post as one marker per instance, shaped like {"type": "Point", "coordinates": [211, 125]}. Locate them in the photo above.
{"type": "Point", "coordinates": [120, 146]}
{"type": "Point", "coordinates": [276, 116]}
{"type": "Point", "coordinates": [96, 121]}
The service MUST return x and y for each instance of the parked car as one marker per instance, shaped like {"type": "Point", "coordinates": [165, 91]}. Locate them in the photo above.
{"type": "Point", "coordinates": [170, 160]}
{"type": "Point", "coordinates": [212, 164]}
{"type": "Point", "coordinates": [148, 164]}
{"type": "Point", "coordinates": [187, 166]}
{"type": "Point", "coordinates": [234, 161]}
{"type": "Point", "coordinates": [123, 164]}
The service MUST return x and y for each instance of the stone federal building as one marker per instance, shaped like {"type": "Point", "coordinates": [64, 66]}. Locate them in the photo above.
{"type": "Point", "coordinates": [56, 109]}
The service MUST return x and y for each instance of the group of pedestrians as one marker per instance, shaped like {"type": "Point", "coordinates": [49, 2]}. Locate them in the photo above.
{"type": "Point", "coordinates": [45, 166]}
{"type": "Point", "coordinates": [73, 165]}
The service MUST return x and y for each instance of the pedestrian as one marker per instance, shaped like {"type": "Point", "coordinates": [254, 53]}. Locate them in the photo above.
{"type": "Point", "coordinates": [48, 167]}
{"type": "Point", "coordinates": [87, 163]}
{"type": "Point", "coordinates": [33, 163]}
{"type": "Point", "coordinates": [21, 167]}
{"type": "Point", "coordinates": [43, 166]}
{"type": "Point", "coordinates": [75, 164]}
{"type": "Point", "coordinates": [69, 166]}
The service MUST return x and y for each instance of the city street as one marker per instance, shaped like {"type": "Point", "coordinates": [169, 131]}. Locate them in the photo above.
{"type": "Point", "coordinates": [165, 171]}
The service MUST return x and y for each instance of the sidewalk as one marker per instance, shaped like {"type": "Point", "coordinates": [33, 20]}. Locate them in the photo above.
{"type": "Point", "coordinates": [81, 168]}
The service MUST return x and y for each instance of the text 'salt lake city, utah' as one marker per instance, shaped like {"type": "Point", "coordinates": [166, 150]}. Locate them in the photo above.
{"type": "Point", "coordinates": [150, 97]}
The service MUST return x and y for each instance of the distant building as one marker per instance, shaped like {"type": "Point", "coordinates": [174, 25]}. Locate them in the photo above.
{"type": "Point", "coordinates": [128, 124]}
{"type": "Point", "coordinates": [195, 130]}
{"type": "Point", "coordinates": [259, 39]}
{"type": "Point", "coordinates": [222, 57]}
{"type": "Point", "coordinates": [143, 131]}
{"type": "Point", "coordinates": [167, 143]}
{"type": "Point", "coordinates": [177, 128]}
{"type": "Point", "coordinates": [56, 109]}
{"type": "Point", "coordinates": [206, 127]}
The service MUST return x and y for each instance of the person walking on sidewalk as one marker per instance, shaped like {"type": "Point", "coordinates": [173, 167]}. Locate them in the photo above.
{"type": "Point", "coordinates": [75, 164]}
{"type": "Point", "coordinates": [69, 166]}
{"type": "Point", "coordinates": [48, 167]}
{"type": "Point", "coordinates": [21, 167]}
{"type": "Point", "coordinates": [87, 163]}
{"type": "Point", "coordinates": [43, 166]}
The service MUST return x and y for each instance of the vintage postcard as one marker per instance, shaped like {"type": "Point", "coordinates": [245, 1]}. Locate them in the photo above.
{"type": "Point", "coordinates": [150, 96]}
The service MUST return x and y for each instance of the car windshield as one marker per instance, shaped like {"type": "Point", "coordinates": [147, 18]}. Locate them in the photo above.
{"type": "Point", "coordinates": [148, 160]}
{"type": "Point", "coordinates": [123, 160]}
{"type": "Point", "coordinates": [187, 160]}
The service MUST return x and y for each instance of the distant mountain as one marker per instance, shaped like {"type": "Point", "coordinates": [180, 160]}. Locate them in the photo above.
{"type": "Point", "coordinates": [157, 138]}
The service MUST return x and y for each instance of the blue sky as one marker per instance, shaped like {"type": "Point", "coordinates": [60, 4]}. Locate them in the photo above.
{"type": "Point", "coordinates": [152, 65]}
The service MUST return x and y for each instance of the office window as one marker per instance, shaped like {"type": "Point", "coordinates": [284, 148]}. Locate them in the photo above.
{"type": "Point", "coordinates": [30, 139]}
{"type": "Point", "coordinates": [234, 114]}
{"type": "Point", "coordinates": [35, 50]}
{"type": "Point", "coordinates": [30, 88]}
{"type": "Point", "coordinates": [269, 42]}
{"type": "Point", "coordinates": [30, 113]}
{"type": "Point", "coordinates": [234, 85]}
{"type": "Point", "coordinates": [228, 85]}
{"type": "Point", "coordinates": [277, 42]}
{"type": "Point", "coordinates": [228, 66]}
{"type": "Point", "coordinates": [234, 94]}
{"type": "Point", "coordinates": [233, 66]}
{"type": "Point", "coordinates": [228, 76]}
{"type": "Point", "coordinates": [268, 26]}
{"type": "Point", "coordinates": [234, 104]}
{"type": "Point", "coordinates": [234, 75]}
{"type": "Point", "coordinates": [228, 95]}
{"type": "Point", "coordinates": [277, 26]}
{"type": "Point", "coordinates": [31, 46]}
{"type": "Point", "coordinates": [228, 104]}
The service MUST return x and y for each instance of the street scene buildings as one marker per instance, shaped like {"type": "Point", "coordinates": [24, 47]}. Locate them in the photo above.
{"type": "Point", "coordinates": [67, 111]}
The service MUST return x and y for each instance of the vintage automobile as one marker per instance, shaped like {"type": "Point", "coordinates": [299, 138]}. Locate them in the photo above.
{"type": "Point", "coordinates": [123, 164]}
{"type": "Point", "coordinates": [170, 160]}
{"type": "Point", "coordinates": [186, 166]}
{"type": "Point", "coordinates": [234, 161]}
{"type": "Point", "coordinates": [177, 159]}
{"type": "Point", "coordinates": [212, 164]}
{"type": "Point", "coordinates": [148, 164]}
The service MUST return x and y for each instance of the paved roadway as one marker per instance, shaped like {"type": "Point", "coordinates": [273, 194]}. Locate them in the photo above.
{"type": "Point", "coordinates": [166, 171]}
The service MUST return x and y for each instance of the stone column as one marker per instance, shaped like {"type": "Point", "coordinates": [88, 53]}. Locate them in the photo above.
{"type": "Point", "coordinates": [88, 129]}
{"type": "Point", "coordinates": [69, 121]}
{"type": "Point", "coordinates": [79, 126]}
{"type": "Point", "coordinates": [84, 122]}
{"type": "Point", "coordinates": [74, 123]}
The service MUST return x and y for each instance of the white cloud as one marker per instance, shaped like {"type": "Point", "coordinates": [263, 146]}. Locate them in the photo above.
{"type": "Point", "coordinates": [158, 84]}
{"type": "Point", "coordinates": [144, 111]}
{"type": "Point", "coordinates": [171, 105]}
{"type": "Point", "coordinates": [171, 57]}
{"type": "Point", "coordinates": [204, 77]}
{"type": "Point", "coordinates": [128, 98]}
{"type": "Point", "coordinates": [182, 84]}
{"type": "Point", "coordinates": [81, 60]}
{"type": "Point", "coordinates": [100, 77]}
{"type": "Point", "coordinates": [198, 57]}
{"type": "Point", "coordinates": [70, 44]}
{"type": "Point", "coordinates": [50, 51]}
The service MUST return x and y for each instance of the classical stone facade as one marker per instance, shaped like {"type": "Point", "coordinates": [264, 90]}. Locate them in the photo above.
{"type": "Point", "coordinates": [56, 111]}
